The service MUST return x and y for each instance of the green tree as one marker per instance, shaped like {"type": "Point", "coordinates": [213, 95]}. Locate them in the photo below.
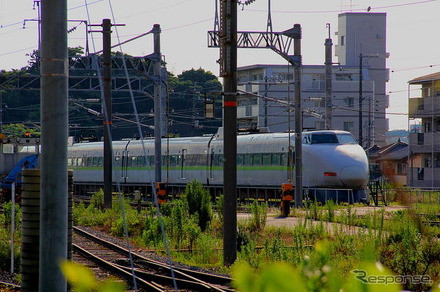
{"type": "Point", "coordinates": [19, 130]}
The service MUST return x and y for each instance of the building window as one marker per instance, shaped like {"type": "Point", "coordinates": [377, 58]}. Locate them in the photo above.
{"type": "Point", "coordinates": [427, 127]}
{"type": "Point", "coordinates": [318, 81]}
{"type": "Point", "coordinates": [428, 163]}
{"type": "Point", "coordinates": [349, 101]}
{"type": "Point", "coordinates": [401, 169]}
{"type": "Point", "coordinates": [348, 126]}
{"type": "Point", "coordinates": [420, 173]}
{"type": "Point", "coordinates": [248, 111]}
{"type": "Point", "coordinates": [342, 40]}
{"type": "Point", "coordinates": [344, 77]}
{"type": "Point", "coordinates": [426, 91]}
{"type": "Point", "coordinates": [319, 125]}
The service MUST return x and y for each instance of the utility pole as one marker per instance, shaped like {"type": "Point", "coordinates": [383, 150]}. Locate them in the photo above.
{"type": "Point", "coordinates": [228, 57]}
{"type": "Point", "coordinates": [107, 108]}
{"type": "Point", "coordinates": [157, 104]}
{"type": "Point", "coordinates": [328, 81]}
{"type": "Point", "coordinates": [107, 111]}
{"type": "Point", "coordinates": [54, 124]}
{"type": "Point", "coordinates": [360, 99]}
{"type": "Point", "coordinates": [297, 63]}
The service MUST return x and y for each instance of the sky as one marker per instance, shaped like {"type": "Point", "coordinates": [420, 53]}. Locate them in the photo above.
{"type": "Point", "coordinates": [412, 34]}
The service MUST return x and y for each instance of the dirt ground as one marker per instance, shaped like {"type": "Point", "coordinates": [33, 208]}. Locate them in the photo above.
{"type": "Point", "coordinates": [291, 221]}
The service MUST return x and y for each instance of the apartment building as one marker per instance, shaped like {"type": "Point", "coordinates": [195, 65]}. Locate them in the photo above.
{"type": "Point", "coordinates": [358, 81]}
{"type": "Point", "coordinates": [424, 138]}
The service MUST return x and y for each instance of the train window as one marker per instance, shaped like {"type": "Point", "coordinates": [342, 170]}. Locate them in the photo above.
{"type": "Point", "coordinates": [133, 161]}
{"type": "Point", "coordinates": [117, 161]}
{"type": "Point", "coordinates": [221, 159]}
{"type": "Point", "coordinates": [256, 159]}
{"type": "Point", "coordinates": [239, 159]}
{"type": "Point", "coordinates": [324, 138]}
{"type": "Point", "coordinates": [283, 159]}
{"type": "Point", "coordinates": [346, 139]}
{"type": "Point", "coordinates": [247, 159]}
{"type": "Point", "coordinates": [100, 159]}
{"type": "Point", "coordinates": [276, 159]}
{"type": "Point", "coordinates": [218, 159]}
{"type": "Point", "coordinates": [79, 162]}
{"type": "Point", "coordinates": [165, 159]}
{"type": "Point", "coordinates": [89, 161]}
{"type": "Point", "coordinates": [267, 159]}
{"type": "Point", "coordinates": [69, 162]}
{"type": "Point", "coordinates": [173, 160]}
{"type": "Point", "coordinates": [141, 160]}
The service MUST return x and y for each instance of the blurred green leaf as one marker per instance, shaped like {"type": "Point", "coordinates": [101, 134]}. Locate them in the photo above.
{"type": "Point", "coordinates": [372, 277]}
{"type": "Point", "coordinates": [79, 276]}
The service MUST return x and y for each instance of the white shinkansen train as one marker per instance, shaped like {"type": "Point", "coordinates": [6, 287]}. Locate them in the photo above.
{"type": "Point", "coordinates": [334, 165]}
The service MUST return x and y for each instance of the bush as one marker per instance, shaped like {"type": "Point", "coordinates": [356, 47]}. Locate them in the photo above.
{"type": "Point", "coordinates": [7, 210]}
{"type": "Point", "coordinates": [97, 200]}
{"type": "Point", "coordinates": [199, 201]}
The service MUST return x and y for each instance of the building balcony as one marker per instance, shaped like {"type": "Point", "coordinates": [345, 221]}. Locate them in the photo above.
{"type": "Point", "coordinates": [422, 107]}
{"type": "Point", "coordinates": [424, 142]}
{"type": "Point", "coordinates": [247, 111]}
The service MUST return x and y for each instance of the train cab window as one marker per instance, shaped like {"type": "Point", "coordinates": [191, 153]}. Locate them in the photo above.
{"type": "Point", "coordinates": [266, 159]}
{"type": "Point", "coordinates": [324, 139]}
{"type": "Point", "coordinates": [247, 159]}
{"type": "Point", "coordinates": [346, 139]}
{"type": "Point", "coordinates": [307, 139]}
{"type": "Point", "coordinates": [256, 159]}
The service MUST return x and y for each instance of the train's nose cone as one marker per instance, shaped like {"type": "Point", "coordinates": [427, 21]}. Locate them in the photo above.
{"type": "Point", "coordinates": [354, 176]}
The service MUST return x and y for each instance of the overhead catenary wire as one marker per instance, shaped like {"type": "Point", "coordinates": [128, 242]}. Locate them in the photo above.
{"type": "Point", "coordinates": [165, 241]}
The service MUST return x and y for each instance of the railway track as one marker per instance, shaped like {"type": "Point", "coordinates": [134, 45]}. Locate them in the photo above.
{"type": "Point", "coordinates": [150, 275]}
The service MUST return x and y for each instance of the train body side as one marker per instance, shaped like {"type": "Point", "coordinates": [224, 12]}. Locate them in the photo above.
{"type": "Point", "coordinates": [263, 161]}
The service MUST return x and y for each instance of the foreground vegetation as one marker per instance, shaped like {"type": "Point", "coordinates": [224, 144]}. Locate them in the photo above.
{"type": "Point", "coordinates": [314, 254]}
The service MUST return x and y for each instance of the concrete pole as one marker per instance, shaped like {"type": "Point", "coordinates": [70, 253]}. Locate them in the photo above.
{"type": "Point", "coordinates": [107, 111]}
{"type": "Point", "coordinates": [360, 100]}
{"type": "Point", "coordinates": [157, 105]}
{"type": "Point", "coordinates": [298, 115]}
{"type": "Point", "coordinates": [328, 83]}
{"type": "Point", "coordinates": [229, 48]}
{"type": "Point", "coordinates": [54, 132]}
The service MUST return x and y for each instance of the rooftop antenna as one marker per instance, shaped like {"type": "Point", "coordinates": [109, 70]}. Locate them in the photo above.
{"type": "Point", "coordinates": [269, 18]}
{"type": "Point", "coordinates": [216, 22]}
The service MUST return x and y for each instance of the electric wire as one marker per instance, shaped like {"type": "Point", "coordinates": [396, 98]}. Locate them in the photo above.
{"type": "Point", "coordinates": [108, 129]}
{"type": "Point", "coordinates": [338, 11]}
{"type": "Point", "coordinates": [165, 241]}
